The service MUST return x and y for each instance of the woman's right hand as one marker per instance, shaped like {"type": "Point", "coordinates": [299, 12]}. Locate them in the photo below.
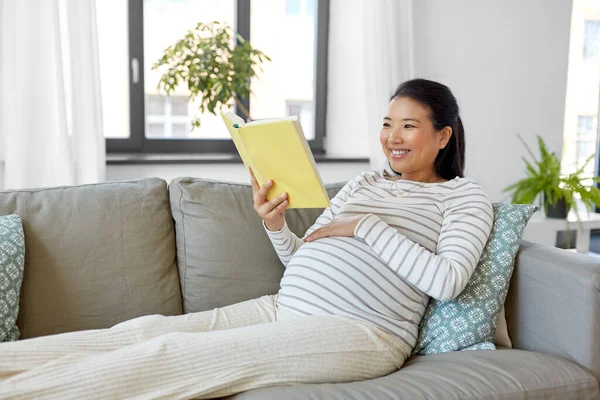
{"type": "Point", "coordinates": [272, 212]}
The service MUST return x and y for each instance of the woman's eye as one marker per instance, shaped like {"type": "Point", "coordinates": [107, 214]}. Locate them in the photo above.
{"type": "Point", "coordinates": [408, 126]}
{"type": "Point", "coordinates": [386, 125]}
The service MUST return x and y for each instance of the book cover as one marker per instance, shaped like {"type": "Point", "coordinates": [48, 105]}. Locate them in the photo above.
{"type": "Point", "coordinates": [277, 149]}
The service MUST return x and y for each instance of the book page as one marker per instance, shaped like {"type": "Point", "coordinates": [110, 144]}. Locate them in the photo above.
{"type": "Point", "coordinates": [231, 120]}
{"type": "Point", "coordinates": [271, 120]}
{"type": "Point", "coordinates": [309, 154]}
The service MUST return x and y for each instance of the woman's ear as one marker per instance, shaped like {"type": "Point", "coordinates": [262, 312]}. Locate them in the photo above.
{"type": "Point", "coordinates": [444, 137]}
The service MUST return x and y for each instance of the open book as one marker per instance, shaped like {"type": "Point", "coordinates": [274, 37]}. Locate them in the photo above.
{"type": "Point", "coordinates": [277, 149]}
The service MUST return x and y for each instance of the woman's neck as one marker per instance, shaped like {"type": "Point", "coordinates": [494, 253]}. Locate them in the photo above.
{"type": "Point", "coordinates": [424, 176]}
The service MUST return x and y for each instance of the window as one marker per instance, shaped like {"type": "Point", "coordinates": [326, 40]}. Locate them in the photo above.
{"type": "Point", "coordinates": [304, 111]}
{"type": "Point", "coordinates": [290, 77]}
{"type": "Point", "coordinates": [591, 41]}
{"type": "Point", "coordinates": [586, 138]}
{"type": "Point", "coordinates": [293, 7]}
{"type": "Point", "coordinates": [300, 7]}
{"type": "Point", "coordinates": [167, 117]}
{"type": "Point", "coordinates": [132, 36]}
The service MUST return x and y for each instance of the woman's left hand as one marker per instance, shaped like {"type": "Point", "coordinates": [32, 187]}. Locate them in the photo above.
{"type": "Point", "coordinates": [337, 227]}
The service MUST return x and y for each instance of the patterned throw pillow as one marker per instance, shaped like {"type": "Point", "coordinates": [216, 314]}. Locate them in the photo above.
{"type": "Point", "coordinates": [468, 322]}
{"type": "Point", "coordinates": [12, 261]}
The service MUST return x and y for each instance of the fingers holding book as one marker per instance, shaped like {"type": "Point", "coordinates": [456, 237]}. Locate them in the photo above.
{"type": "Point", "coordinates": [259, 193]}
{"type": "Point", "coordinates": [272, 212]}
{"type": "Point", "coordinates": [254, 182]}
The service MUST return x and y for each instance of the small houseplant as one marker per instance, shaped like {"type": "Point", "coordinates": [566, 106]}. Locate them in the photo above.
{"type": "Point", "coordinates": [212, 67]}
{"type": "Point", "coordinates": [558, 191]}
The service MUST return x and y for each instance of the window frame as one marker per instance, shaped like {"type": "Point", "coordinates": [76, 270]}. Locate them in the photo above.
{"type": "Point", "coordinates": [137, 141]}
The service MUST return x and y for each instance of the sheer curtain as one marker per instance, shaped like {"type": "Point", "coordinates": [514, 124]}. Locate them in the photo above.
{"type": "Point", "coordinates": [370, 53]}
{"type": "Point", "coordinates": [50, 103]}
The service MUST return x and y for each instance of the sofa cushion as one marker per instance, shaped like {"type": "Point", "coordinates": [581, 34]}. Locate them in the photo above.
{"type": "Point", "coordinates": [502, 338]}
{"type": "Point", "coordinates": [224, 255]}
{"type": "Point", "coordinates": [96, 255]}
{"type": "Point", "coordinates": [12, 260]}
{"type": "Point", "coordinates": [469, 321]}
{"type": "Point", "coordinates": [503, 374]}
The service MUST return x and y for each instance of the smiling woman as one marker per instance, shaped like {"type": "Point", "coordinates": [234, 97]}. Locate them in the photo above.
{"type": "Point", "coordinates": [423, 124]}
{"type": "Point", "coordinates": [389, 241]}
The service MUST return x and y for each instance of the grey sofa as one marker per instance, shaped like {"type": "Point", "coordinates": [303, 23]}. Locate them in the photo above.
{"type": "Point", "coordinates": [100, 254]}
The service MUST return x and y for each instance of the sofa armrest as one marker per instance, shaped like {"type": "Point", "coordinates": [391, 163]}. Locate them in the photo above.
{"type": "Point", "coordinates": [553, 305]}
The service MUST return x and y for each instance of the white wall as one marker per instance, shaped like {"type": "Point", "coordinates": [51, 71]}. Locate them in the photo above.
{"type": "Point", "coordinates": [330, 172]}
{"type": "Point", "coordinates": [506, 62]}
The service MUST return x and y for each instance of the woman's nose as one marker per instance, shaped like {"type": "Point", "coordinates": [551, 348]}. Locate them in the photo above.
{"type": "Point", "coordinates": [395, 136]}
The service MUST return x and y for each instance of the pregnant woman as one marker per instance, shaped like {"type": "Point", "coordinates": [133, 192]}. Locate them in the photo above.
{"type": "Point", "coordinates": [353, 293]}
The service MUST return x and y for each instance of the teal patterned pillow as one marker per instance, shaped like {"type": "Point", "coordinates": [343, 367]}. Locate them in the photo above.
{"type": "Point", "coordinates": [468, 322]}
{"type": "Point", "coordinates": [12, 261]}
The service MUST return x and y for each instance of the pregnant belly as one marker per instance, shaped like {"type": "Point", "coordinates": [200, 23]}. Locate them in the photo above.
{"type": "Point", "coordinates": [343, 273]}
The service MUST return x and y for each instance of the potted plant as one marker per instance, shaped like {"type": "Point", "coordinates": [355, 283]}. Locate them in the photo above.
{"type": "Point", "coordinates": [560, 192]}
{"type": "Point", "coordinates": [212, 67]}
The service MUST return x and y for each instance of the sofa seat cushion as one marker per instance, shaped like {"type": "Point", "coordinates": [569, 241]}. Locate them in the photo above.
{"type": "Point", "coordinates": [501, 374]}
{"type": "Point", "coordinates": [95, 255]}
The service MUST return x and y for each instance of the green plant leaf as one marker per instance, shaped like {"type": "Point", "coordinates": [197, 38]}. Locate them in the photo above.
{"type": "Point", "coordinates": [211, 66]}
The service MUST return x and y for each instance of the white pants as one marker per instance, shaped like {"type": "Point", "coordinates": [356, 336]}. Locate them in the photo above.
{"type": "Point", "coordinates": [202, 355]}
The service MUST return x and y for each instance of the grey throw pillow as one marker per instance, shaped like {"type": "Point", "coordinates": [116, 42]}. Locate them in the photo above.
{"type": "Point", "coordinates": [224, 255]}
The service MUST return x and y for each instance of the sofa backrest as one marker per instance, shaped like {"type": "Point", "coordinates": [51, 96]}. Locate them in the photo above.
{"type": "Point", "coordinates": [224, 254]}
{"type": "Point", "coordinates": [96, 255]}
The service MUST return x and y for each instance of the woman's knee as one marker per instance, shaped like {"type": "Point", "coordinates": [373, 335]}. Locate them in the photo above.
{"type": "Point", "coordinates": [140, 322]}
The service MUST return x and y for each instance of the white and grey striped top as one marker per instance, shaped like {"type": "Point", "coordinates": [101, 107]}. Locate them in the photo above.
{"type": "Point", "coordinates": [425, 243]}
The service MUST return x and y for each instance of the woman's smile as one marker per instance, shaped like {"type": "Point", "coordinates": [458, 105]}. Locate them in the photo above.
{"type": "Point", "coordinates": [399, 154]}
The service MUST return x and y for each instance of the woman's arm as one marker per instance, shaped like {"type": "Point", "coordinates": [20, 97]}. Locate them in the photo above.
{"type": "Point", "coordinates": [286, 243]}
{"type": "Point", "coordinates": [467, 223]}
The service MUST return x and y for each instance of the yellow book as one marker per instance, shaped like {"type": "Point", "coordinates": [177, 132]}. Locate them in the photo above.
{"type": "Point", "coordinates": [277, 149]}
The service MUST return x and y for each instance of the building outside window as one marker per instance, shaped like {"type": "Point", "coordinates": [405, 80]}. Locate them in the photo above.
{"type": "Point", "coordinates": [167, 116]}
{"type": "Point", "coordinates": [586, 138]}
{"type": "Point", "coordinates": [591, 41]}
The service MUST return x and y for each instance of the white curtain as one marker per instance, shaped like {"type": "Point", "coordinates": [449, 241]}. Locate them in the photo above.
{"type": "Point", "coordinates": [370, 54]}
{"type": "Point", "coordinates": [50, 100]}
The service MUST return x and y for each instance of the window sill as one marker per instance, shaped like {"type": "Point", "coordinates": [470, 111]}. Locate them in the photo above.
{"type": "Point", "coordinates": [136, 159]}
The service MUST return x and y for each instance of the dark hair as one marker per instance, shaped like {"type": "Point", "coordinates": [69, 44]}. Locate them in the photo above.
{"type": "Point", "coordinates": [443, 110]}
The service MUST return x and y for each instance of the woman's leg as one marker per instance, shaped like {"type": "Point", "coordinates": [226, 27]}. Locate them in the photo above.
{"type": "Point", "coordinates": [312, 349]}
{"type": "Point", "coordinates": [19, 356]}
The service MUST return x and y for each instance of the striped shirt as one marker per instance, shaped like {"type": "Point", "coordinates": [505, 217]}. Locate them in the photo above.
{"type": "Point", "coordinates": [424, 243]}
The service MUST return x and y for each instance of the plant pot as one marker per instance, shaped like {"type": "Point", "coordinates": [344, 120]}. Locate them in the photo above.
{"type": "Point", "coordinates": [558, 210]}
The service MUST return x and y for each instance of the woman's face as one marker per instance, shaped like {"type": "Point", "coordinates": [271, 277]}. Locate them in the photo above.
{"type": "Point", "coordinates": [409, 139]}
